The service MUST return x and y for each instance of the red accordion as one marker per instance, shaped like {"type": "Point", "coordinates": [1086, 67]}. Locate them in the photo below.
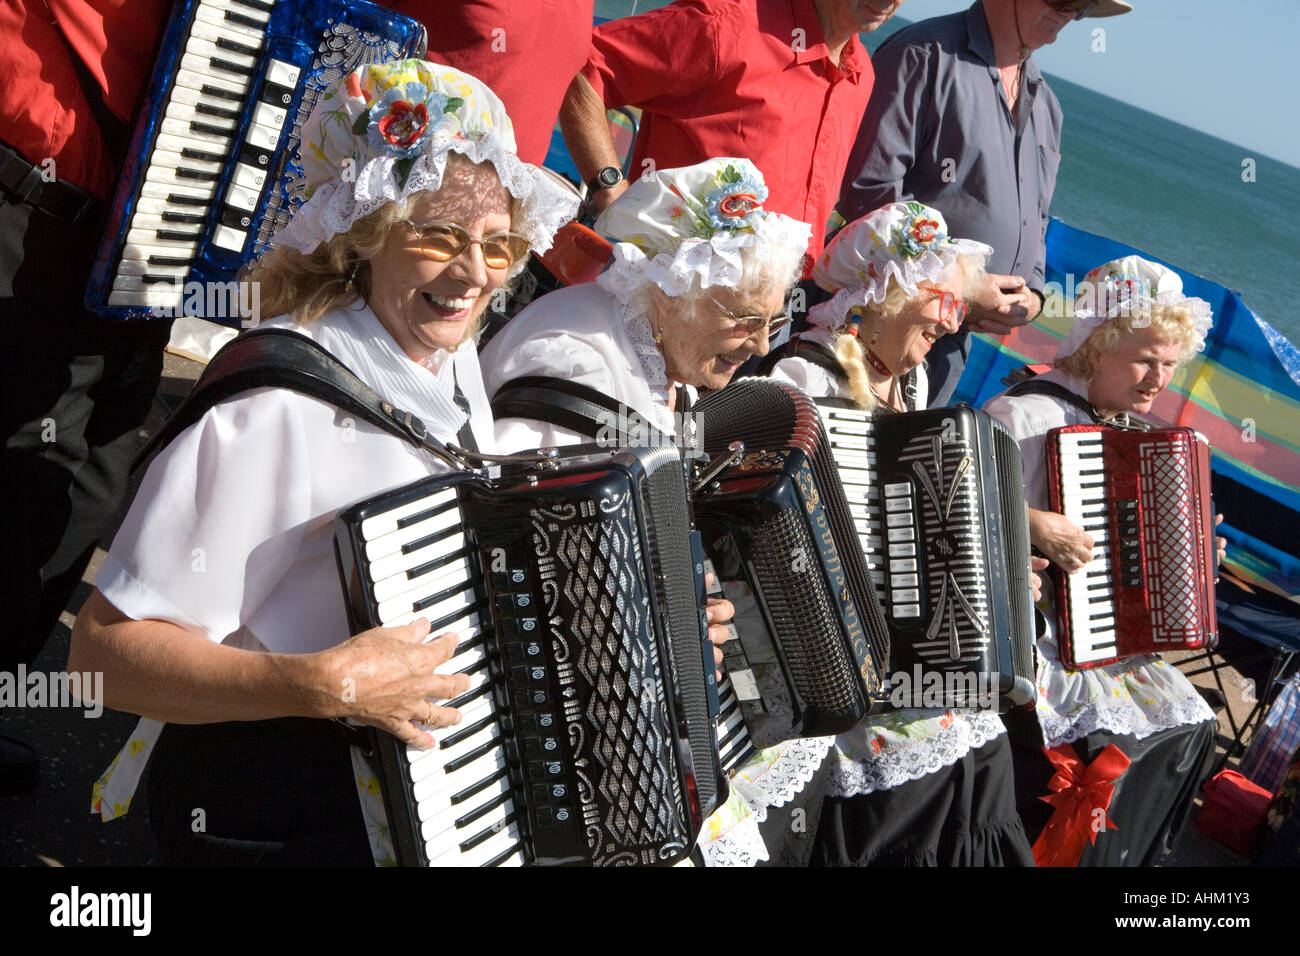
{"type": "Point", "coordinates": [1144, 496]}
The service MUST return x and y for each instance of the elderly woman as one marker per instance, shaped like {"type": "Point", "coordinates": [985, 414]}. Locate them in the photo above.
{"type": "Point", "coordinates": [1132, 328]}
{"type": "Point", "coordinates": [912, 787]}
{"type": "Point", "coordinates": [218, 609]}
{"type": "Point", "coordinates": [698, 281]}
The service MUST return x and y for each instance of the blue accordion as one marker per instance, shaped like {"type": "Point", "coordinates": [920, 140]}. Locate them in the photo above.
{"type": "Point", "coordinates": [214, 169]}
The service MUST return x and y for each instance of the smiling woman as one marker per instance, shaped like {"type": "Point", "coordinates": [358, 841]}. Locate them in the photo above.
{"type": "Point", "coordinates": [697, 283]}
{"type": "Point", "coordinates": [909, 787]}
{"type": "Point", "coordinates": [218, 609]}
{"type": "Point", "coordinates": [898, 280]}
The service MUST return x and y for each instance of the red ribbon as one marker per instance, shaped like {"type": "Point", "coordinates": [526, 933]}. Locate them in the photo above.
{"type": "Point", "coordinates": [1081, 797]}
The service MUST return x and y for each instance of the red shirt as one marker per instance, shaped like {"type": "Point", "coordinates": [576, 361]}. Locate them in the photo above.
{"type": "Point", "coordinates": [526, 52]}
{"type": "Point", "coordinates": [746, 78]}
{"type": "Point", "coordinates": [44, 113]}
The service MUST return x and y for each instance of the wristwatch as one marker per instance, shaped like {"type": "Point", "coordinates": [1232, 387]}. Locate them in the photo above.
{"type": "Point", "coordinates": [606, 178]}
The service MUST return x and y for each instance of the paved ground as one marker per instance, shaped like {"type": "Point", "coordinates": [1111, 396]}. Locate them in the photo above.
{"type": "Point", "coordinates": [53, 825]}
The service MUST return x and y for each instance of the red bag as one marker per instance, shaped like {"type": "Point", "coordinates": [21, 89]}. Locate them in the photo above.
{"type": "Point", "coordinates": [1233, 811]}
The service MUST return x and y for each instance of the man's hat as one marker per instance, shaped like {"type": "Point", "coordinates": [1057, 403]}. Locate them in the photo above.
{"type": "Point", "coordinates": [1109, 8]}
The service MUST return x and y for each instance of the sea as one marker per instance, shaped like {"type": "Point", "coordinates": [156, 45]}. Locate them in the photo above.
{"type": "Point", "coordinates": [1168, 189]}
{"type": "Point", "coordinates": [1181, 195]}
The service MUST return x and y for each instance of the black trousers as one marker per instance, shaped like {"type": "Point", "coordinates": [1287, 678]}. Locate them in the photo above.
{"type": "Point", "coordinates": [267, 793]}
{"type": "Point", "coordinates": [77, 388]}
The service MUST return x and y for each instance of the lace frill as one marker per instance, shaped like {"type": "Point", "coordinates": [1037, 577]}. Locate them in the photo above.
{"type": "Point", "coordinates": [1138, 695]}
{"type": "Point", "coordinates": [637, 325]}
{"type": "Point", "coordinates": [929, 266]}
{"type": "Point", "coordinates": [771, 778]}
{"type": "Point", "coordinates": [911, 760]}
{"type": "Point", "coordinates": [715, 261]}
{"type": "Point", "coordinates": [335, 205]}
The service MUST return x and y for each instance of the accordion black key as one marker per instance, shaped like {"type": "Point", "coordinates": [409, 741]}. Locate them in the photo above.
{"type": "Point", "coordinates": [779, 521]}
{"type": "Point", "coordinates": [587, 733]}
{"type": "Point", "coordinates": [213, 170]}
{"type": "Point", "coordinates": [938, 496]}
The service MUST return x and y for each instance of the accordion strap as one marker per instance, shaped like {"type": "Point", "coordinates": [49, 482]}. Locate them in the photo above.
{"type": "Point", "coordinates": [1036, 386]}
{"type": "Point", "coordinates": [279, 358]}
{"type": "Point", "coordinates": [558, 401]}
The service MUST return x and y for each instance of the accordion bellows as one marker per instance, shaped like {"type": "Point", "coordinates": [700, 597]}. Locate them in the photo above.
{"type": "Point", "coordinates": [778, 521]}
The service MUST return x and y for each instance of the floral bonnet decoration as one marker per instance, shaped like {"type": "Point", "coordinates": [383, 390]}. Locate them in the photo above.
{"type": "Point", "coordinates": [1129, 286]}
{"type": "Point", "coordinates": [383, 132]}
{"type": "Point", "coordinates": [904, 242]}
{"type": "Point", "coordinates": [675, 224]}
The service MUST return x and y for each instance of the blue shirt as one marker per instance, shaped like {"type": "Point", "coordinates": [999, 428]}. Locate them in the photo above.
{"type": "Point", "coordinates": [938, 129]}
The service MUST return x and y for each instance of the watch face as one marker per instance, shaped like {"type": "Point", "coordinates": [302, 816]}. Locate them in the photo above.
{"type": "Point", "coordinates": [609, 176]}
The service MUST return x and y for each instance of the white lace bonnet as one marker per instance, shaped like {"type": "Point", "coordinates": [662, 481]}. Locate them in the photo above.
{"type": "Point", "coordinates": [383, 132]}
{"type": "Point", "coordinates": [676, 224]}
{"type": "Point", "coordinates": [906, 242]}
{"type": "Point", "coordinates": [1126, 286]}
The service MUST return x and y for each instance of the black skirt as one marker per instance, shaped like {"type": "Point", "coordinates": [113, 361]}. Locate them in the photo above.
{"type": "Point", "coordinates": [267, 792]}
{"type": "Point", "coordinates": [960, 815]}
{"type": "Point", "coordinates": [1152, 798]}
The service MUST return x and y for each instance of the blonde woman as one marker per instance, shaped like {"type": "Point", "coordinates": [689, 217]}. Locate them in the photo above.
{"type": "Point", "coordinates": [912, 787]}
{"type": "Point", "coordinates": [1133, 328]}
{"type": "Point", "coordinates": [218, 613]}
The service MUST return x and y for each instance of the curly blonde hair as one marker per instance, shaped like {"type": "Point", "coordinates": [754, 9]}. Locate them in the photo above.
{"type": "Point", "coordinates": [337, 273]}
{"type": "Point", "coordinates": [1170, 323]}
{"type": "Point", "coordinates": [849, 348]}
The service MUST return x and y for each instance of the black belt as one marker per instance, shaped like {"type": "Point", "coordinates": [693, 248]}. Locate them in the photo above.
{"type": "Point", "coordinates": [27, 183]}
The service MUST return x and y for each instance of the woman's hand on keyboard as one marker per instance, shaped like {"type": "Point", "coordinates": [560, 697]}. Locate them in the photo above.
{"type": "Point", "coordinates": [1066, 545]}
{"type": "Point", "coordinates": [385, 678]}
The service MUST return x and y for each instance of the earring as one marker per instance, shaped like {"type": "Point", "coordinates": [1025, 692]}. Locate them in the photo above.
{"type": "Point", "coordinates": [659, 339]}
{"type": "Point", "coordinates": [855, 320]}
{"type": "Point", "coordinates": [352, 276]}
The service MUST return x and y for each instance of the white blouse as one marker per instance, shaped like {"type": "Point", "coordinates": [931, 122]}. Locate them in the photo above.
{"type": "Point", "coordinates": [582, 334]}
{"type": "Point", "coordinates": [1138, 695]}
{"type": "Point", "coordinates": [231, 533]}
{"type": "Point", "coordinates": [585, 335]}
{"type": "Point", "coordinates": [893, 748]}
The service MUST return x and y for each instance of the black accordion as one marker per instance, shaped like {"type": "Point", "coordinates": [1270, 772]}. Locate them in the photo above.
{"type": "Point", "coordinates": [576, 588]}
{"type": "Point", "coordinates": [938, 498]}
{"type": "Point", "coordinates": [213, 170]}
{"type": "Point", "coordinates": [778, 520]}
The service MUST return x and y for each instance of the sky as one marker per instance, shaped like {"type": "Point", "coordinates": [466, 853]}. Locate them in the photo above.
{"type": "Point", "coordinates": [1224, 67]}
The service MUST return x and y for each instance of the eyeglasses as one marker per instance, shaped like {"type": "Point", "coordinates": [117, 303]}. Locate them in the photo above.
{"type": "Point", "coordinates": [444, 241]}
{"type": "Point", "coordinates": [754, 323]}
{"type": "Point", "coordinates": [949, 305]}
{"type": "Point", "coordinates": [1080, 8]}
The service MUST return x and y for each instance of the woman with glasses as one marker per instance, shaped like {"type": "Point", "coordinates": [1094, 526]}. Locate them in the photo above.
{"type": "Point", "coordinates": [910, 787]}
{"type": "Point", "coordinates": [697, 283]}
{"type": "Point", "coordinates": [219, 610]}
